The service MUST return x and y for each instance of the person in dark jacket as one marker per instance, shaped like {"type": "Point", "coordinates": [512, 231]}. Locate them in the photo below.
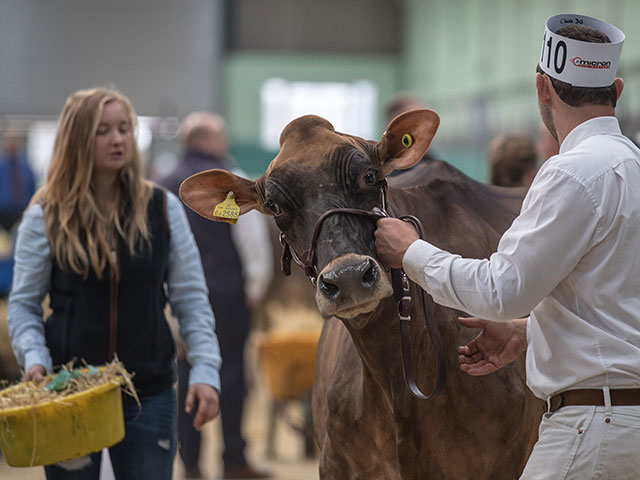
{"type": "Point", "coordinates": [17, 182]}
{"type": "Point", "coordinates": [204, 139]}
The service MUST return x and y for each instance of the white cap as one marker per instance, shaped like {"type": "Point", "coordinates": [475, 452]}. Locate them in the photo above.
{"type": "Point", "coordinates": [581, 64]}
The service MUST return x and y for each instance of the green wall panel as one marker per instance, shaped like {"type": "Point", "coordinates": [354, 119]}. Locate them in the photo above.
{"type": "Point", "coordinates": [473, 62]}
{"type": "Point", "coordinates": [244, 74]}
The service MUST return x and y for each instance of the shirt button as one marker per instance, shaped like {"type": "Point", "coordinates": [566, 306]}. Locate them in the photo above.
{"type": "Point", "coordinates": [608, 420]}
{"type": "Point", "coordinates": [579, 431]}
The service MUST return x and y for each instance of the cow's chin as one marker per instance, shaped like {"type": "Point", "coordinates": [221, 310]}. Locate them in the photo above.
{"type": "Point", "coordinates": [357, 315]}
{"type": "Point", "coordinates": [353, 312]}
{"type": "Point", "coordinates": [355, 300]}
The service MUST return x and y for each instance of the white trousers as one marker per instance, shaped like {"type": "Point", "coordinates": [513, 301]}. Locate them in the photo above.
{"type": "Point", "coordinates": [587, 443]}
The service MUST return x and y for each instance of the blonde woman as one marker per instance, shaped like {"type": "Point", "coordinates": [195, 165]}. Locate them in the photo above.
{"type": "Point", "coordinates": [108, 247]}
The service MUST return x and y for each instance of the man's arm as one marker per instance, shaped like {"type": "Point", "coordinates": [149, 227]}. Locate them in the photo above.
{"type": "Point", "coordinates": [558, 223]}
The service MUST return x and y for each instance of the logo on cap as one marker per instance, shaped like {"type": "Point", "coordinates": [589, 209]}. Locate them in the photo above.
{"type": "Point", "coordinates": [579, 62]}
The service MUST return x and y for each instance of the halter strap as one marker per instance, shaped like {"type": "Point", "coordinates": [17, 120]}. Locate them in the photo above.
{"type": "Point", "coordinates": [400, 282]}
{"type": "Point", "coordinates": [307, 261]}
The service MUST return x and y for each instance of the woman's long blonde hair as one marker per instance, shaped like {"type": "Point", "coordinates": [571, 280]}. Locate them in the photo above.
{"type": "Point", "coordinates": [81, 235]}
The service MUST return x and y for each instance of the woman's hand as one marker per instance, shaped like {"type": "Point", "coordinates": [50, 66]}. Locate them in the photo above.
{"type": "Point", "coordinates": [35, 373]}
{"type": "Point", "coordinates": [208, 403]}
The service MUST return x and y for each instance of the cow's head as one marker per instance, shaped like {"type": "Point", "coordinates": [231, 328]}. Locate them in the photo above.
{"type": "Point", "coordinates": [319, 169]}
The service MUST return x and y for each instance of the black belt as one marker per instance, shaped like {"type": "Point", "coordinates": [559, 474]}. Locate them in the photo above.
{"type": "Point", "coordinates": [619, 397]}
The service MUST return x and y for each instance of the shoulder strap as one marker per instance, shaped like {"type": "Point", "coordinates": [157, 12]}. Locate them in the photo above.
{"type": "Point", "coordinates": [165, 209]}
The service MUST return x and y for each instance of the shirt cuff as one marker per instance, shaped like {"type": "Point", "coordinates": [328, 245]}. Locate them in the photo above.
{"type": "Point", "coordinates": [416, 259]}
{"type": "Point", "coordinates": [205, 374]}
{"type": "Point", "coordinates": [34, 357]}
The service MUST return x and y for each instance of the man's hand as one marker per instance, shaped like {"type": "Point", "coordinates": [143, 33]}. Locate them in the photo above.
{"type": "Point", "coordinates": [497, 345]}
{"type": "Point", "coordinates": [35, 373]}
{"type": "Point", "coordinates": [393, 237]}
{"type": "Point", "coordinates": [208, 403]}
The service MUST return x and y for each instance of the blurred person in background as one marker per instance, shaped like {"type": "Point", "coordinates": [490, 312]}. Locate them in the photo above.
{"type": "Point", "coordinates": [17, 185]}
{"type": "Point", "coordinates": [513, 160]}
{"type": "Point", "coordinates": [400, 104]}
{"type": "Point", "coordinates": [17, 182]}
{"type": "Point", "coordinates": [238, 266]}
{"type": "Point", "coordinates": [108, 247]}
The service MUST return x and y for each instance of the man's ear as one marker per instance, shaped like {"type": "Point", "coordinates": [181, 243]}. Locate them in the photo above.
{"type": "Point", "coordinates": [203, 191]}
{"type": "Point", "coordinates": [619, 87]}
{"type": "Point", "coordinates": [543, 88]}
{"type": "Point", "coordinates": [406, 139]}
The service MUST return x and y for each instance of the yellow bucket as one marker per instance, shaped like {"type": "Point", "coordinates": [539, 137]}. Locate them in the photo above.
{"type": "Point", "coordinates": [288, 361]}
{"type": "Point", "coordinates": [70, 427]}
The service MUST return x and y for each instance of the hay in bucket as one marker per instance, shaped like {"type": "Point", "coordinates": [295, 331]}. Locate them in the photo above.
{"type": "Point", "coordinates": [73, 413]}
{"type": "Point", "coordinates": [29, 394]}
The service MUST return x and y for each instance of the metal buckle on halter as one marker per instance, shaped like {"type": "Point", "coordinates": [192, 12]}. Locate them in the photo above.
{"type": "Point", "coordinates": [404, 304]}
{"type": "Point", "coordinates": [404, 308]}
{"type": "Point", "coordinates": [379, 211]}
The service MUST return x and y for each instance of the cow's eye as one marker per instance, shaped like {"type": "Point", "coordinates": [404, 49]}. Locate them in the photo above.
{"type": "Point", "coordinates": [370, 178]}
{"type": "Point", "coordinates": [273, 207]}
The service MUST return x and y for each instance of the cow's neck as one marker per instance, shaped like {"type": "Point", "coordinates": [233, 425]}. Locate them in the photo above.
{"type": "Point", "coordinates": [379, 346]}
{"type": "Point", "coordinates": [451, 212]}
{"type": "Point", "coordinates": [448, 217]}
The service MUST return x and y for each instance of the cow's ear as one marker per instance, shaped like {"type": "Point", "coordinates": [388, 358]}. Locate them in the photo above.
{"type": "Point", "coordinates": [406, 139]}
{"type": "Point", "coordinates": [203, 191]}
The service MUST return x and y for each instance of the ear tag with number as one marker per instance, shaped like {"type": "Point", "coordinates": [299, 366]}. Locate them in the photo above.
{"type": "Point", "coordinates": [228, 211]}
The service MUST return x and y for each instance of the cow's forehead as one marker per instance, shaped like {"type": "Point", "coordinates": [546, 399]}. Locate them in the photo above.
{"type": "Point", "coordinates": [308, 142]}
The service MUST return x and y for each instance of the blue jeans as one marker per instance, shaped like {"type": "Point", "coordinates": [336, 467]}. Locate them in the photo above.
{"type": "Point", "coordinates": [148, 448]}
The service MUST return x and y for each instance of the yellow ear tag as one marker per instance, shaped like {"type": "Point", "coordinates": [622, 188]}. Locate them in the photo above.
{"type": "Point", "coordinates": [407, 140]}
{"type": "Point", "coordinates": [227, 211]}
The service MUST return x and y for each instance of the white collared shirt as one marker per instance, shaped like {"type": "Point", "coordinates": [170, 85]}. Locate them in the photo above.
{"type": "Point", "coordinates": [570, 258]}
{"type": "Point", "coordinates": [251, 238]}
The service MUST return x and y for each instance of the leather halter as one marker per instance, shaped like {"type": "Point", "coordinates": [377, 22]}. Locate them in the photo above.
{"type": "Point", "coordinates": [400, 283]}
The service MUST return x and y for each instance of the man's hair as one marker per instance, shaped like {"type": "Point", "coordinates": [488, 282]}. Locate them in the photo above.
{"type": "Point", "coordinates": [400, 104]}
{"type": "Point", "coordinates": [511, 157]}
{"type": "Point", "coordinates": [582, 96]}
{"type": "Point", "coordinates": [198, 124]}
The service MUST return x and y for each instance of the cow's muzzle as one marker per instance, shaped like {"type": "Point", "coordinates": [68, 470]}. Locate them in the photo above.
{"type": "Point", "coordinates": [351, 285]}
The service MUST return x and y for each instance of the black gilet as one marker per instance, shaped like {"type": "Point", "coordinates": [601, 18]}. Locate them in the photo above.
{"type": "Point", "coordinates": [79, 326]}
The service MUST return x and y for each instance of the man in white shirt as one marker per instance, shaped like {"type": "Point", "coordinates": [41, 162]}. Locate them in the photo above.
{"type": "Point", "coordinates": [569, 260]}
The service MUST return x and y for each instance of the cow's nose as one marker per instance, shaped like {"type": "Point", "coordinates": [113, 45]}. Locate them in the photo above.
{"type": "Point", "coordinates": [361, 275]}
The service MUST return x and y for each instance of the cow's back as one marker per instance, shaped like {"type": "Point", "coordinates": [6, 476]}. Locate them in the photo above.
{"type": "Point", "coordinates": [443, 437]}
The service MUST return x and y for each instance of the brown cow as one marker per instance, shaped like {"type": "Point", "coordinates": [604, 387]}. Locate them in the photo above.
{"type": "Point", "coordinates": [367, 423]}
